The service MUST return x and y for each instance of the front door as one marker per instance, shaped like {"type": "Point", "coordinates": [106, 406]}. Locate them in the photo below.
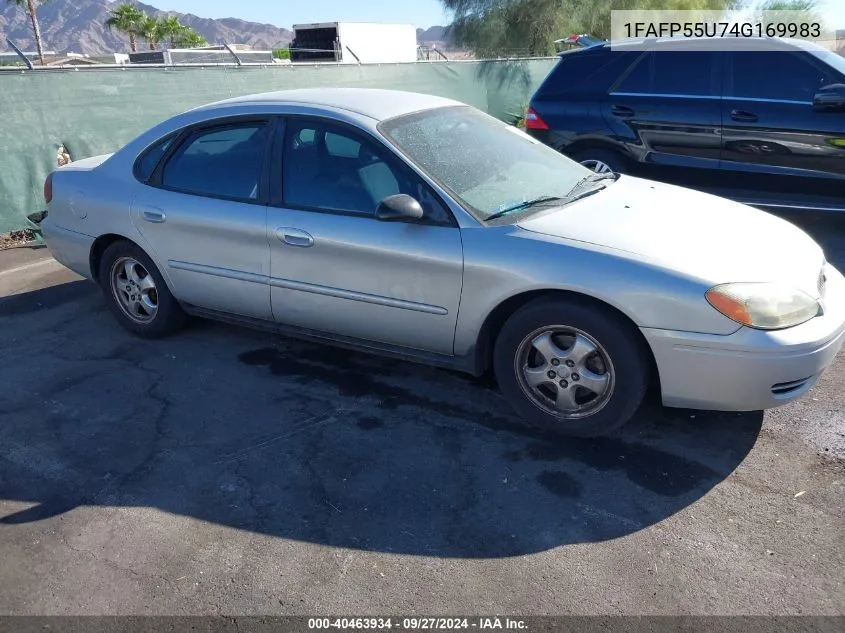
{"type": "Point", "coordinates": [204, 212]}
{"type": "Point", "coordinates": [776, 146]}
{"type": "Point", "coordinates": [335, 268]}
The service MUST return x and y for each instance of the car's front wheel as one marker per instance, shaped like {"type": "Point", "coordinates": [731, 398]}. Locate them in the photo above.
{"type": "Point", "coordinates": [570, 367]}
{"type": "Point", "coordinates": [137, 293]}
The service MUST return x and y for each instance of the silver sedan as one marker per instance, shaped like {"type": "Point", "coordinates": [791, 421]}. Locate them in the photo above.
{"type": "Point", "coordinates": [422, 228]}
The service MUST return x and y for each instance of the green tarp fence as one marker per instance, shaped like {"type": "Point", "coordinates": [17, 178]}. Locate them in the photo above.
{"type": "Point", "coordinates": [96, 111]}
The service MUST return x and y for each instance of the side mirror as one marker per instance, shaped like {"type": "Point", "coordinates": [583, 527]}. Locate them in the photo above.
{"type": "Point", "coordinates": [831, 97]}
{"type": "Point", "coordinates": [399, 207]}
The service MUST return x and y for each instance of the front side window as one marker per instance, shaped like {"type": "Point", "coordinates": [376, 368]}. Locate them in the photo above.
{"type": "Point", "coordinates": [223, 161]}
{"type": "Point", "coordinates": [835, 61]}
{"type": "Point", "coordinates": [331, 168]}
{"type": "Point", "coordinates": [779, 75]}
{"type": "Point", "coordinates": [486, 164]}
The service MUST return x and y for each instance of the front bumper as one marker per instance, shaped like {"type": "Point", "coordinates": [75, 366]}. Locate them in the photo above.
{"type": "Point", "coordinates": [750, 370]}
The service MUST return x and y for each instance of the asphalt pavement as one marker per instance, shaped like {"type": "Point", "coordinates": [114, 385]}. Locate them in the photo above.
{"type": "Point", "coordinates": [227, 471]}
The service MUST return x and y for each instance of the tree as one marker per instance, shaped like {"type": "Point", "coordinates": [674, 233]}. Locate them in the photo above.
{"type": "Point", "coordinates": [150, 29]}
{"type": "Point", "coordinates": [30, 6]}
{"type": "Point", "coordinates": [127, 19]}
{"type": "Point", "coordinates": [791, 12]}
{"type": "Point", "coordinates": [170, 29]}
{"type": "Point", "coordinates": [189, 38]}
{"type": "Point", "coordinates": [530, 27]}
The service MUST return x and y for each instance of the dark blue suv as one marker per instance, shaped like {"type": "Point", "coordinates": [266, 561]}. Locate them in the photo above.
{"type": "Point", "coordinates": [762, 122]}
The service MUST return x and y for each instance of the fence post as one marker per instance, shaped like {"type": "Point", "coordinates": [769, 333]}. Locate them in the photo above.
{"type": "Point", "coordinates": [20, 53]}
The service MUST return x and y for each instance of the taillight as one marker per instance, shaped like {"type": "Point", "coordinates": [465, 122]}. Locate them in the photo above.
{"type": "Point", "coordinates": [48, 189]}
{"type": "Point", "coordinates": [533, 121]}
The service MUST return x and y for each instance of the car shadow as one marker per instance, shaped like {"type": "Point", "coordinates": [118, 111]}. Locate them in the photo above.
{"type": "Point", "coordinates": [321, 445]}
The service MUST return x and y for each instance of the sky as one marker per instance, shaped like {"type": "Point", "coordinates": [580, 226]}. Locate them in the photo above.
{"type": "Point", "coordinates": [420, 13]}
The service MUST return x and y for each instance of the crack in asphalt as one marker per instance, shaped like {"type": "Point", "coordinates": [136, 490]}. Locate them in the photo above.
{"type": "Point", "coordinates": [112, 563]}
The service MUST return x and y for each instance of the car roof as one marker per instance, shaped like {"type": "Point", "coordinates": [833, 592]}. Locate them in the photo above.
{"type": "Point", "coordinates": [375, 103]}
{"type": "Point", "coordinates": [646, 43]}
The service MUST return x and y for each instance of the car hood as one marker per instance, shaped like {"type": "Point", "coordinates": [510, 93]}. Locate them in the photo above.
{"type": "Point", "coordinates": [697, 234]}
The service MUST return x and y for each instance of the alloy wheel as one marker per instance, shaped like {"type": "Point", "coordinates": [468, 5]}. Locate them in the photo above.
{"type": "Point", "coordinates": [597, 166]}
{"type": "Point", "coordinates": [134, 289]}
{"type": "Point", "coordinates": [564, 371]}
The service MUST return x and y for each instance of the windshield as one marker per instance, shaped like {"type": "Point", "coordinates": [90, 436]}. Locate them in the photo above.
{"type": "Point", "coordinates": [487, 165]}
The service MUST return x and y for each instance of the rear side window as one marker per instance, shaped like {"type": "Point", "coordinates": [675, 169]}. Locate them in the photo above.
{"type": "Point", "coordinates": [146, 164]}
{"type": "Point", "coordinates": [793, 78]}
{"type": "Point", "coordinates": [673, 73]}
{"type": "Point", "coordinates": [587, 70]}
{"type": "Point", "coordinates": [223, 161]}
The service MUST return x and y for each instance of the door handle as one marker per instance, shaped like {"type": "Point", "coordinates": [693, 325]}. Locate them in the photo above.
{"type": "Point", "coordinates": [153, 215]}
{"type": "Point", "coordinates": [294, 237]}
{"type": "Point", "coordinates": [742, 115]}
{"type": "Point", "coordinates": [622, 111]}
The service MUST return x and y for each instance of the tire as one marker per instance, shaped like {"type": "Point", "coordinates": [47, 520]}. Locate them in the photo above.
{"type": "Point", "coordinates": [603, 387]}
{"type": "Point", "coordinates": [590, 158]}
{"type": "Point", "coordinates": [156, 313]}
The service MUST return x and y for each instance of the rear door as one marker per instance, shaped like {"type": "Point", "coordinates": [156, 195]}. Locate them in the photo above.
{"type": "Point", "coordinates": [569, 100]}
{"type": "Point", "coordinates": [665, 109]}
{"type": "Point", "coordinates": [776, 146]}
{"type": "Point", "coordinates": [204, 214]}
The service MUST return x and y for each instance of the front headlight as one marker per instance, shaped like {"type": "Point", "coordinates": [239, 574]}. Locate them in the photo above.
{"type": "Point", "coordinates": [765, 306]}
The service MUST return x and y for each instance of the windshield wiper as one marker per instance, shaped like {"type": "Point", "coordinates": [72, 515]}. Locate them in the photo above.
{"type": "Point", "coordinates": [523, 205]}
{"type": "Point", "coordinates": [596, 177]}
{"type": "Point", "coordinates": [583, 194]}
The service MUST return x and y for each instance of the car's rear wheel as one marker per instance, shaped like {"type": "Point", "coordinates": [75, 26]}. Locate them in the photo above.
{"type": "Point", "coordinates": [137, 293]}
{"type": "Point", "coordinates": [570, 367]}
{"type": "Point", "coordinates": [601, 161]}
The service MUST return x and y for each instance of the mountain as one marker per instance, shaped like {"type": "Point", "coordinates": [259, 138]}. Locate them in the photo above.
{"type": "Point", "coordinates": [77, 26]}
{"type": "Point", "coordinates": [441, 36]}
{"type": "Point", "coordinates": [433, 34]}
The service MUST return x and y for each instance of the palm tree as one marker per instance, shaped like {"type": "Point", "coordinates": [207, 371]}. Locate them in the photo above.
{"type": "Point", "coordinates": [170, 28]}
{"type": "Point", "coordinates": [127, 19]}
{"type": "Point", "coordinates": [189, 38]}
{"type": "Point", "coordinates": [29, 6]}
{"type": "Point", "coordinates": [150, 29]}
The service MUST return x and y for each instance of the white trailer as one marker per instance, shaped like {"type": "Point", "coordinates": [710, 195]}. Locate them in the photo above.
{"type": "Point", "coordinates": [354, 43]}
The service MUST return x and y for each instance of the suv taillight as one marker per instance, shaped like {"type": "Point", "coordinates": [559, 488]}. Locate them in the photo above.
{"type": "Point", "coordinates": [48, 189]}
{"type": "Point", "coordinates": [533, 121]}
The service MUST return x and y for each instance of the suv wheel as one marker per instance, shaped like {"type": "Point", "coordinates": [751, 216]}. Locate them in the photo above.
{"type": "Point", "coordinates": [571, 368]}
{"type": "Point", "coordinates": [601, 161]}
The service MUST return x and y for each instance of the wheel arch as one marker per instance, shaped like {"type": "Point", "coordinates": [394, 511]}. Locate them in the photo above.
{"type": "Point", "coordinates": [99, 247]}
{"type": "Point", "coordinates": [604, 145]}
{"type": "Point", "coordinates": [495, 320]}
